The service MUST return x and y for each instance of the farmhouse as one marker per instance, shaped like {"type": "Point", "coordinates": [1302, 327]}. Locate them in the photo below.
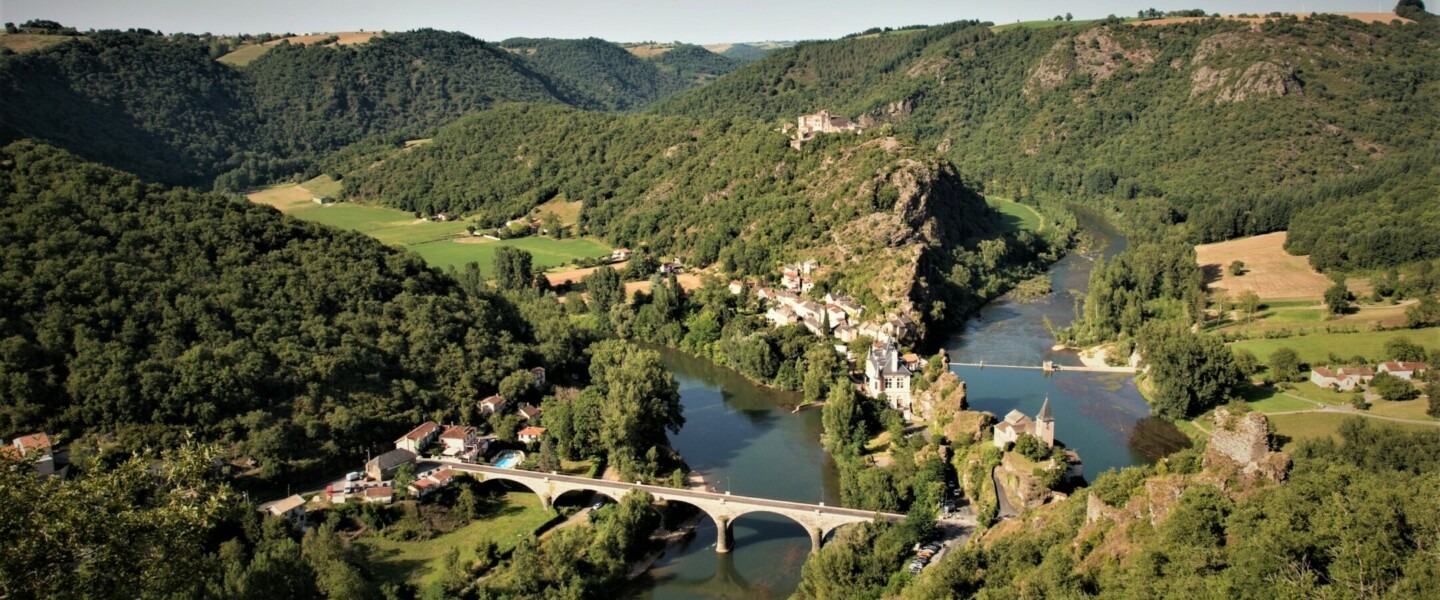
{"type": "Point", "coordinates": [886, 375]}
{"type": "Point", "coordinates": [1403, 370]}
{"type": "Point", "coordinates": [1343, 380]}
{"type": "Point", "coordinates": [382, 494]}
{"type": "Point", "coordinates": [781, 316]}
{"type": "Point", "coordinates": [737, 287]}
{"type": "Point", "coordinates": [419, 437]}
{"type": "Point", "coordinates": [620, 254]}
{"type": "Point", "coordinates": [1016, 423]}
{"type": "Point", "coordinates": [528, 412]}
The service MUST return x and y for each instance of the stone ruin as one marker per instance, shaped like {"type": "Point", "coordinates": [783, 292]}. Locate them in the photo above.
{"type": "Point", "coordinates": [1244, 441]}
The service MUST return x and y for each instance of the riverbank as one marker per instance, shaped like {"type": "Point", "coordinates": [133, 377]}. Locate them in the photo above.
{"type": "Point", "coordinates": [682, 532]}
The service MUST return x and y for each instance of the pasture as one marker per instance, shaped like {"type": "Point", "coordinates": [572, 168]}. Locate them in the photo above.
{"type": "Point", "coordinates": [247, 54]}
{"type": "Point", "coordinates": [1326, 424]}
{"type": "Point", "coordinates": [1315, 348]}
{"type": "Point", "coordinates": [441, 244]}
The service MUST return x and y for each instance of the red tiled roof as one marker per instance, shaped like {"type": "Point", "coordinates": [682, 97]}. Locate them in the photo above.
{"type": "Point", "coordinates": [422, 431]}
{"type": "Point", "coordinates": [1404, 366]}
{"type": "Point", "coordinates": [376, 492]}
{"type": "Point", "coordinates": [531, 431]}
{"type": "Point", "coordinates": [1323, 372]}
{"type": "Point", "coordinates": [456, 432]}
{"type": "Point", "coordinates": [493, 400]}
{"type": "Point", "coordinates": [34, 441]}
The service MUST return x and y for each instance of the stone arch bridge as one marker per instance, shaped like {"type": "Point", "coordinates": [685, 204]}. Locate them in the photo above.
{"type": "Point", "coordinates": [818, 520]}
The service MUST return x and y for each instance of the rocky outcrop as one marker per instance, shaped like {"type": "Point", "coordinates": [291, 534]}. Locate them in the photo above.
{"type": "Point", "coordinates": [1263, 79]}
{"type": "Point", "coordinates": [1242, 442]}
{"type": "Point", "coordinates": [1096, 52]}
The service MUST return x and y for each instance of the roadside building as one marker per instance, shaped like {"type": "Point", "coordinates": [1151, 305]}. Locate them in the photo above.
{"type": "Point", "coordinates": [292, 508]}
{"type": "Point", "coordinates": [528, 412]}
{"type": "Point", "coordinates": [380, 494]}
{"type": "Point", "coordinates": [384, 466]}
{"type": "Point", "coordinates": [457, 438]}
{"type": "Point", "coordinates": [37, 447]}
{"type": "Point", "coordinates": [419, 437]}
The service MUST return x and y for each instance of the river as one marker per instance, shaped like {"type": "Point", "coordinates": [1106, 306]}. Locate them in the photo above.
{"type": "Point", "coordinates": [743, 438]}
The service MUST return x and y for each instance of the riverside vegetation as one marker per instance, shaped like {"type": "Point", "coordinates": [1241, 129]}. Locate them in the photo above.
{"type": "Point", "coordinates": [144, 314]}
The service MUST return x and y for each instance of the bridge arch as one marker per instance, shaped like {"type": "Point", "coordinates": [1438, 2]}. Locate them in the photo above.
{"type": "Point", "coordinates": [541, 493]}
{"type": "Point", "coordinates": [811, 528]}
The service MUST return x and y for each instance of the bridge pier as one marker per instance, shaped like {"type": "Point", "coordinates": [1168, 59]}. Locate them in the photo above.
{"type": "Point", "coordinates": [544, 502]}
{"type": "Point", "coordinates": [817, 539]}
{"type": "Point", "coordinates": [722, 535]}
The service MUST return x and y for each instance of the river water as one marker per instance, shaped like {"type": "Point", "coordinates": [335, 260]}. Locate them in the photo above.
{"type": "Point", "coordinates": [744, 438]}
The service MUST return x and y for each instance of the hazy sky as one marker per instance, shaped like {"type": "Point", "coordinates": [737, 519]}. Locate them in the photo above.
{"type": "Point", "coordinates": [636, 20]}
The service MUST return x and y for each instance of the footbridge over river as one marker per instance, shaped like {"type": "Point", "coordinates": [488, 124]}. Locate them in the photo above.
{"type": "Point", "coordinates": [818, 520]}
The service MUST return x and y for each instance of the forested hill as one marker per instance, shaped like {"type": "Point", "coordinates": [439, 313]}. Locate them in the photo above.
{"type": "Point", "coordinates": [887, 215]}
{"type": "Point", "coordinates": [1235, 128]}
{"type": "Point", "coordinates": [164, 109]}
{"type": "Point", "coordinates": [153, 313]}
{"type": "Point", "coordinates": [609, 76]}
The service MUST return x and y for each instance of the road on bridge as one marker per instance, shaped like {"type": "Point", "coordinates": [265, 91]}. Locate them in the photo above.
{"type": "Point", "coordinates": [621, 487]}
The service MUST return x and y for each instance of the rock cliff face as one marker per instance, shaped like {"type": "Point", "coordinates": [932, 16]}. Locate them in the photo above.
{"type": "Point", "coordinates": [1095, 53]}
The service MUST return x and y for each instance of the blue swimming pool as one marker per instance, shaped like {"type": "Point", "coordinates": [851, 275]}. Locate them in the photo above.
{"type": "Point", "coordinates": [508, 459]}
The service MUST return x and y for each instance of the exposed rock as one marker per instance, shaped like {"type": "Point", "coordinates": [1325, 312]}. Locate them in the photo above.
{"type": "Point", "coordinates": [1206, 79]}
{"type": "Point", "coordinates": [1243, 441]}
{"type": "Point", "coordinates": [1263, 79]}
{"type": "Point", "coordinates": [1094, 52]}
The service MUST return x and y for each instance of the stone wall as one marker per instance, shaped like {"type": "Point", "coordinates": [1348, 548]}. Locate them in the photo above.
{"type": "Point", "coordinates": [1244, 441]}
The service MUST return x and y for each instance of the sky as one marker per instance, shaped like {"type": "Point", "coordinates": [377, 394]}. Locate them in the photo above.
{"type": "Point", "coordinates": [713, 21]}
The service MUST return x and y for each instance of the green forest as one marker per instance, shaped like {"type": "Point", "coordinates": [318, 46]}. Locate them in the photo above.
{"type": "Point", "coordinates": [608, 76]}
{"type": "Point", "coordinates": [1178, 124]}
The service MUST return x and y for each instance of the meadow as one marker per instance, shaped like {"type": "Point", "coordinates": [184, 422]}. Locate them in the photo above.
{"type": "Point", "coordinates": [441, 243]}
{"type": "Point", "coordinates": [1316, 348]}
{"type": "Point", "coordinates": [422, 562]}
{"type": "Point", "coordinates": [1016, 216]}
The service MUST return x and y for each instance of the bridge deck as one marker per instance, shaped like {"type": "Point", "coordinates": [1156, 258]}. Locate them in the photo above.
{"type": "Point", "coordinates": [601, 484]}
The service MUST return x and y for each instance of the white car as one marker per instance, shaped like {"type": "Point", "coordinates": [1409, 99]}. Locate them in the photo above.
{"type": "Point", "coordinates": [354, 476]}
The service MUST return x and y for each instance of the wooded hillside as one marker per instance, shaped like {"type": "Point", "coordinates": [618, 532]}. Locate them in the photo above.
{"type": "Point", "coordinates": [135, 309]}
{"type": "Point", "coordinates": [1235, 129]}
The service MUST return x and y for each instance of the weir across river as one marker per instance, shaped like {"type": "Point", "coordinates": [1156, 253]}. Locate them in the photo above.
{"type": "Point", "coordinates": [1048, 367]}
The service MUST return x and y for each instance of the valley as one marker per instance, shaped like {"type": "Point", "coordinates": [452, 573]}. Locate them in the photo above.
{"type": "Point", "coordinates": [234, 267]}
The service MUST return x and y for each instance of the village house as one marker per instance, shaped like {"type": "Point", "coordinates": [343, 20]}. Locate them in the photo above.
{"type": "Point", "coordinates": [814, 326]}
{"type": "Point", "coordinates": [620, 254]}
{"type": "Point", "coordinates": [457, 438]}
{"type": "Point", "coordinates": [736, 287]}
{"type": "Point", "coordinates": [837, 315]}
{"type": "Point", "coordinates": [492, 405]}
{"type": "Point", "coordinates": [847, 304]}
{"type": "Point", "coordinates": [528, 412]}
{"type": "Point", "coordinates": [384, 466]}
{"type": "Point", "coordinates": [292, 508]}
{"type": "Point", "coordinates": [1404, 370]}
{"type": "Point", "coordinates": [781, 316]}
{"type": "Point", "coordinates": [37, 447]}
{"type": "Point", "coordinates": [419, 437]}
{"type": "Point", "coordinates": [765, 294]}
{"type": "Point", "coordinates": [810, 310]}
{"type": "Point", "coordinates": [1343, 380]}
{"type": "Point", "coordinates": [380, 494]}
{"type": "Point", "coordinates": [1016, 423]}
{"type": "Point", "coordinates": [433, 482]}
{"type": "Point", "coordinates": [886, 377]}
{"type": "Point", "coordinates": [530, 435]}
{"type": "Point", "coordinates": [844, 332]}
{"type": "Point", "coordinates": [539, 373]}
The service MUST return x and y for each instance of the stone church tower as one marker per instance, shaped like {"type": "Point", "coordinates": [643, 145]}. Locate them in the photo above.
{"type": "Point", "coordinates": [1045, 424]}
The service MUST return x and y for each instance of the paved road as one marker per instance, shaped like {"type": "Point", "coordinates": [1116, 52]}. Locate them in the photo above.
{"type": "Point", "coordinates": [1003, 503]}
{"type": "Point", "coordinates": [615, 486]}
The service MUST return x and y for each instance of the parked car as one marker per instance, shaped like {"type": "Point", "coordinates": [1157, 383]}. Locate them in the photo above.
{"type": "Point", "coordinates": [354, 476]}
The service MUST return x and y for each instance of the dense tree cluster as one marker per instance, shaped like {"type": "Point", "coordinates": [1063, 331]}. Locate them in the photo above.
{"type": "Point", "coordinates": [604, 75]}
{"type": "Point", "coordinates": [149, 312]}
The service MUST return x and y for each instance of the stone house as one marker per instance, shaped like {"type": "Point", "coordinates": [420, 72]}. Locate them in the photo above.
{"type": "Point", "coordinates": [530, 435]}
{"type": "Point", "coordinates": [736, 287]}
{"type": "Point", "coordinates": [457, 438]}
{"type": "Point", "coordinates": [824, 122]}
{"type": "Point", "coordinates": [1344, 380]}
{"type": "Point", "coordinates": [380, 494]}
{"type": "Point", "coordinates": [492, 405]}
{"type": "Point", "coordinates": [292, 508]}
{"type": "Point", "coordinates": [38, 447]}
{"type": "Point", "coordinates": [1016, 423]}
{"type": "Point", "coordinates": [384, 466]}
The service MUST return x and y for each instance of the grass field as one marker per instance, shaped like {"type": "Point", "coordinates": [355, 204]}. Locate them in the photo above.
{"type": "Point", "coordinates": [1316, 348]}
{"type": "Point", "coordinates": [420, 562]}
{"type": "Point", "coordinates": [1046, 24]}
{"type": "Point", "coordinates": [25, 42]}
{"type": "Point", "coordinates": [245, 55]}
{"type": "Point", "coordinates": [441, 244]}
{"type": "Point", "coordinates": [547, 252]}
{"type": "Point", "coordinates": [1015, 215]}
{"type": "Point", "coordinates": [569, 212]}
{"type": "Point", "coordinates": [1315, 425]}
